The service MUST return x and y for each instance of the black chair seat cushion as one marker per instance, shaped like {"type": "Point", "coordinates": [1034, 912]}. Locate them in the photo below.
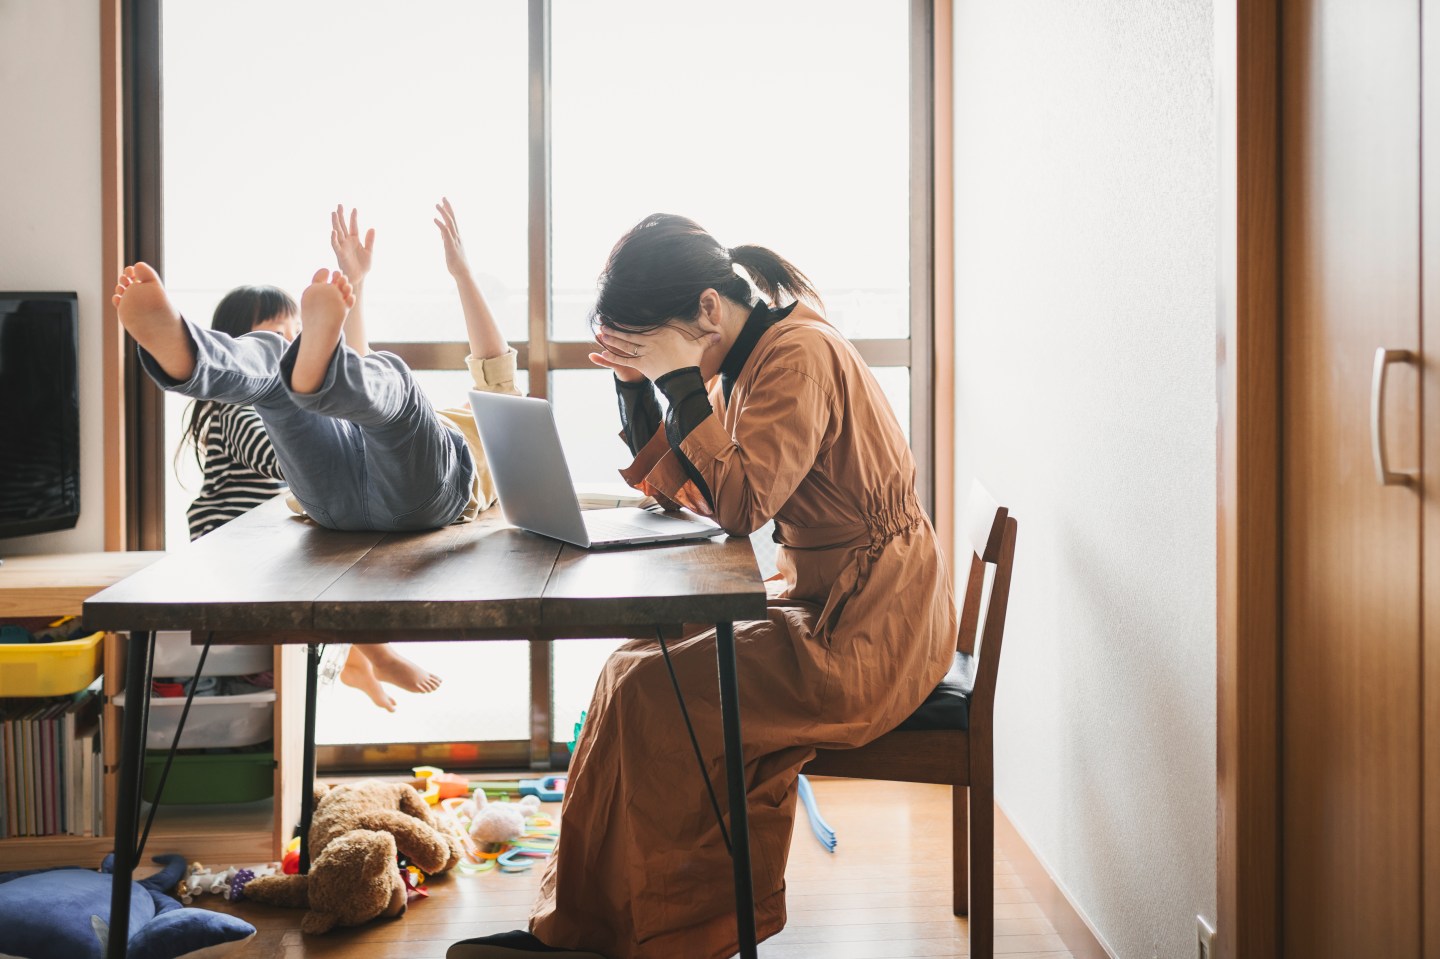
{"type": "Point", "coordinates": [948, 707]}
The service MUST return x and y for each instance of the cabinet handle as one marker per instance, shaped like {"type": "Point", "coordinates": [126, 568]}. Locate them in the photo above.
{"type": "Point", "coordinates": [1383, 473]}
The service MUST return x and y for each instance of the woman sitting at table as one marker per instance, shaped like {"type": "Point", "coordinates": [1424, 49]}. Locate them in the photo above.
{"type": "Point", "coordinates": [772, 414]}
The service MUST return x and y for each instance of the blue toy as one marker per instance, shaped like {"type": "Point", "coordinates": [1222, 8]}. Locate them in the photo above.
{"type": "Point", "coordinates": [64, 914]}
{"type": "Point", "coordinates": [548, 789]}
{"type": "Point", "coordinates": [818, 825]}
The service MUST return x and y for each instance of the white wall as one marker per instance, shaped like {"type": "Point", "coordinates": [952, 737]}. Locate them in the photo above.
{"type": "Point", "coordinates": [1085, 194]}
{"type": "Point", "coordinates": [50, 206]}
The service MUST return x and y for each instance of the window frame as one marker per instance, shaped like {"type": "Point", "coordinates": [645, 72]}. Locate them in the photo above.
{"type": "Point", "coordinates": [135, 485]}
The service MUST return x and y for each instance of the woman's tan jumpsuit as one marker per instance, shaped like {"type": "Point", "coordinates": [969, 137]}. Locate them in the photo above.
{"type": "Point", "coordinates": [862, 626]}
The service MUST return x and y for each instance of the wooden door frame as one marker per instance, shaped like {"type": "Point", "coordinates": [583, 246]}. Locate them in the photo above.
{"type": "Point", "coordinates": [112, 253]}
{"type": "Point", "coordinates": [1247, 69]}
{"type": "Point", "coordinates": [135, 460]}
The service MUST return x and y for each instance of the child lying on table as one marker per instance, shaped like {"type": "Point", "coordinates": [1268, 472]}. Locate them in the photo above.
{"type": "Point", "coordinates": [356, 439]}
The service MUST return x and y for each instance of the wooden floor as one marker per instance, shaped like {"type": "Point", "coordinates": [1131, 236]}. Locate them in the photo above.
{"type": "Point", "coordinates": [884, 894]}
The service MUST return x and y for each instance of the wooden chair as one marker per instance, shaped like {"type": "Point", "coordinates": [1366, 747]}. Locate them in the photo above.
{"type": "Point", "coordinates": [950, 738]}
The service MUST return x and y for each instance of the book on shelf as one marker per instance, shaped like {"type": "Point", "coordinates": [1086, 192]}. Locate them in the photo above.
{"type": "Point", "coordinates": [51, 770]}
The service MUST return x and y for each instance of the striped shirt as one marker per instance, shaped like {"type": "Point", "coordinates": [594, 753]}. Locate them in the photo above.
{"type": "Point", "coordinates": [241, 471]}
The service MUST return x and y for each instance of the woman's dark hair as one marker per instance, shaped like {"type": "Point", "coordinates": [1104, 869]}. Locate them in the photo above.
{"type": "Point", "coordinates": [658, 270]}
{"type": "Point", "coordinates": [239, 312]}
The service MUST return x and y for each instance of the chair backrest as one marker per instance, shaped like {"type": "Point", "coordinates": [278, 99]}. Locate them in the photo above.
{"type": "Point", "coordinates": [990, 531]}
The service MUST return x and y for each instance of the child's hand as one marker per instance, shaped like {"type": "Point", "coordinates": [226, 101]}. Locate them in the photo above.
{"type": "Point", "coordinates": [351, 254]}
{"type": "Point", "coordinates": [455, 260]}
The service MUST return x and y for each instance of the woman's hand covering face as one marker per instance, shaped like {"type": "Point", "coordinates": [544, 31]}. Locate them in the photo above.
{"type": "Point", "coordinates": [674, 346]}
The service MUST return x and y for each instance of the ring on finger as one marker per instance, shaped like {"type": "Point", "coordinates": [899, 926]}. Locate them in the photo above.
{"type": "Point", "coordinates": [613, 348]}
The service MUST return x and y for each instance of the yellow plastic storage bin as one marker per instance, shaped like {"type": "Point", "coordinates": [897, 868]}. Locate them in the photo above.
{"type": "Point", "coordinates": [50, 669]}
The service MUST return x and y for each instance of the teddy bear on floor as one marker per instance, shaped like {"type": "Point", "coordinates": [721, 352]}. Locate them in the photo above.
{"type": "Point", "coordinates": [355, 833]}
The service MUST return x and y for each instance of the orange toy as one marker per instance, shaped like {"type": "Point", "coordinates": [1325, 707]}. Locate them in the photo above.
{"type": "Point", "coordinates": [436, 784]}
{"type": "Point", "coordinates": [451, 785]}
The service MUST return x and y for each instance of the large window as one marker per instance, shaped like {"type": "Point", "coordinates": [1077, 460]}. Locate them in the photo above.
{"type": "Point", "coordinates": [553, 126]}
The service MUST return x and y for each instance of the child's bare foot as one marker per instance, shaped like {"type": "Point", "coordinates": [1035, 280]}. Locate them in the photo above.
{"type": "Point", "coordinates": [400, 672]}
{"type": "Point", "coordinates": [323, 307]}
{"type": "Point", "coordinates": [358, 672]}
{"type": "Point", "coordinates": [148, 315]}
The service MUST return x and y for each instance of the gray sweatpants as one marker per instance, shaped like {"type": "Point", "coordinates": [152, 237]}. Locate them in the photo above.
{"type": "Point", "coordinates": [366, 451]}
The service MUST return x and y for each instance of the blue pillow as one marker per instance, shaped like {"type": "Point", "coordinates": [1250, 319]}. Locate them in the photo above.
{"type": "Point", "coordinates": [65, 913]}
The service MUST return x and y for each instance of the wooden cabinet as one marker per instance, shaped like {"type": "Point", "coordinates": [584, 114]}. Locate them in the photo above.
{"type": "Point", "coordinates": [1359, 722]}
{"type": "Point", "coordinates": [57, 585]}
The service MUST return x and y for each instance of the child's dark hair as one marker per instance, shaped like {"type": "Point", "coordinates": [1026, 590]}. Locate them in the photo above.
{"type": "Point", "coordinates": [239, 312]}
{"type": "Point", "coordinates": [657, 271]}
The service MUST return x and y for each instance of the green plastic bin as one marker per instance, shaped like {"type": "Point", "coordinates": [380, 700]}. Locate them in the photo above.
{"type": "Point", "coordinates": [208, 778]}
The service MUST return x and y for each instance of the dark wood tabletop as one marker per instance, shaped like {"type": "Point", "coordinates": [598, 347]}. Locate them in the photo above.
{"type": "Point", "coordinates": [271, 576]}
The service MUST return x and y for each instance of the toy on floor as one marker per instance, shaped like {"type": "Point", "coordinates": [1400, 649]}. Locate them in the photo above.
{"type": "Point", "coordinates": [229, 883]}
{"type": "Point", "coordinates": [438, 785]}
{"type": "Point", "coordinates": [441, 785]}
{"type": "Point", "coordinates": [65, 912]}
{"type": "Point", "coordinates": [818, 825]}
{"type": "Point", "coordinates": [290, 862]}
{"type": "Point", "coordinates": [548, 789]}
{"type": "Point", "coordinates": [414, 878]}
{"type": "Point", "coordinates": [356, 832]}
{"type": "Point", "coordinates": [509, 837]}
{"type": "Point", "coordinates": [498, 823]}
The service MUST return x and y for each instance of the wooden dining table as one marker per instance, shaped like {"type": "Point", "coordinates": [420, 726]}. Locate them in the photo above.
{"type": "Point", "coordinates": [271, 577]}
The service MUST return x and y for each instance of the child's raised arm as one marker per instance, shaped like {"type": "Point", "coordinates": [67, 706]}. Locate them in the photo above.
{"type": "Point", "coordinates": [484, 334]}
{"type": "Point", "coordinates": [353, 256]}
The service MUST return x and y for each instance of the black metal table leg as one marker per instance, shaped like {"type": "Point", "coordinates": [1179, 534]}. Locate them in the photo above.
{"type": "Point", "coordinates": [307, 772]}
{"type": "Point", "coordinates": [138, 662]}
{"type": "Point", "coordinates": [735, 776]}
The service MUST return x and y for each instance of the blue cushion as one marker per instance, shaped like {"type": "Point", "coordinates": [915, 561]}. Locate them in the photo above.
{"type": "Point", "coordinates": [63, 913]}
{"type": "Point", "coordinates": [948, 707]}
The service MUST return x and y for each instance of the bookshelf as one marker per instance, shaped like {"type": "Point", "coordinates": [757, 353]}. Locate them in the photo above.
{"type": "Point", "coordinates": [57, 585]}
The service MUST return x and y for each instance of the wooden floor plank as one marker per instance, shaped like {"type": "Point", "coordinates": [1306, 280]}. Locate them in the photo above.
{"type": "Point", "coordinates": [835, 911]}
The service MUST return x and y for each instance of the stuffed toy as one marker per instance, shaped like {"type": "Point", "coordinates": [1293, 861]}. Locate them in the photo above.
{"type": "Point", "coordinates": [496, 823]}
{"type": "Point", "coordinates": [64, 914]}
{"type": "Point", "coordinates": [229, 883]}
{"type": "Point", "coordinates": [356, 832]}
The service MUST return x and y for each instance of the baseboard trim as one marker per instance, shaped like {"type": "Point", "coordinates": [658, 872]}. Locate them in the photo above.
{"type": "Point", "coordinates": [1070, 923]}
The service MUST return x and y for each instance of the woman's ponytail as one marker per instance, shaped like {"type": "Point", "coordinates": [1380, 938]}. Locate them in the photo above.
{"type": "Point", "coordinates": [775, 276]}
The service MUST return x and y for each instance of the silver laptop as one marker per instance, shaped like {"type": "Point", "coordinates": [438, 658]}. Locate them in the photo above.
{"type": "Point", "coordinates": [536, 493]}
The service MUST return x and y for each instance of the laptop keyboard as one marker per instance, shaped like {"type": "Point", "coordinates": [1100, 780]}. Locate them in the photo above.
{"type": "Point", "coordinates": [609, 529]}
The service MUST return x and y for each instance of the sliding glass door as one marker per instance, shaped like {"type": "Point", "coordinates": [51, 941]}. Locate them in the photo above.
{"type": "Point", "coordinates": [553, 126]}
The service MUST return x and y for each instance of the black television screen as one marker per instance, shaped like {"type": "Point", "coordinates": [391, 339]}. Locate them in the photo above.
{"type": "Point", "coordinates": [39, 412]}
